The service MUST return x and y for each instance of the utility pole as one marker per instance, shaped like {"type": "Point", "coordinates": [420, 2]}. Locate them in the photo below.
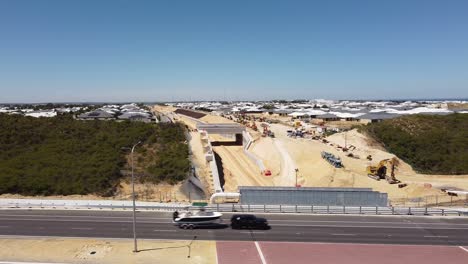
{"type": "Point", "coordinates": [296, 175]}
{"type": "Point", "coordinates": [134, 206]}
{"type": "Point", "coordinates": [345, 137]}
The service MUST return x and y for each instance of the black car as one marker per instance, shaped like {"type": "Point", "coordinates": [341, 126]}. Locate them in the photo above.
{"type": "Point", "coordinates": [248, 221]}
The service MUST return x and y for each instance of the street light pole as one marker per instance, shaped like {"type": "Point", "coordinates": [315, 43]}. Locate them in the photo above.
{"type": "Point", "coordinates": [134, 206]}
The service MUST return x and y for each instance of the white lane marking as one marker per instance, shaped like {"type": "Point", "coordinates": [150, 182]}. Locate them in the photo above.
{"type": "Point", "coordinates": [149, 222]}
{"type": "Point", "coordinates": [367, 222]}
{"type": "Point", "coordinates": [82, 220]}
{"type": "Point", "coordinates": [156, 230]}
{"type": "Point", "coordinates": [4, 226]}
{"type": "Point", "coordinates": [436, 236]}
{"type": "Point", "coordinates": [343, 234]}
{"type": "Point", "coordinates": [389, 227]}
{"type": "Point", "coordinates": [254, 232]}
{"type": "Point", "coordinates": [463, 248]}
{"type": "Point", "coordinates": [272, 220]}
{"type": "Point", "coordinates": [260, 253]}
{"type": "Point", "coordinates": [82, 228]}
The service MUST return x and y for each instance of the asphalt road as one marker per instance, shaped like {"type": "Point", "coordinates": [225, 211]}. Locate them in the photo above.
{"type": "Point", "coordinates": [310, 228]}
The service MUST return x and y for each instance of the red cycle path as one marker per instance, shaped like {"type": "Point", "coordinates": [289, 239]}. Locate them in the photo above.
{"type": "Point", "coordinates": [230, 252]}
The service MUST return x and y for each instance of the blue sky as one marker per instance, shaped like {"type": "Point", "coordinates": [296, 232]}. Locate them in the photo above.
{"type": "Point", "coordinates": [115, 50]}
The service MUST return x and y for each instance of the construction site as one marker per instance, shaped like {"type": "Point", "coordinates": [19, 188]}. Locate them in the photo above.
{"type": "Point", "coordinates": [254, 151]}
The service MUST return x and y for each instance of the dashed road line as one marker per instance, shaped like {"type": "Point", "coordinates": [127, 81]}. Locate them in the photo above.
{"type": "Point", "coordinates": [156, 230]}
{"type": "Point", "coordinates": [82, 228]}
{"type": "Point", "coordinates": [343, 234]}
{"type": "Point", "coordinates": [436, 236]}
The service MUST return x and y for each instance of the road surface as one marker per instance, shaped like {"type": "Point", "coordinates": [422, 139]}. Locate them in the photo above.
{"type": "Point", "coordinates": [299, 228]}
{"type": "Point", "coordinates": [288, 167]}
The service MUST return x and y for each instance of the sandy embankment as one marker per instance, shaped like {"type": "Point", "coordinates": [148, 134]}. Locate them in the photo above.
{"type": "Point", "coordinates": [239, 170]}
{"type": "Point", "coordinates": [316, 172]}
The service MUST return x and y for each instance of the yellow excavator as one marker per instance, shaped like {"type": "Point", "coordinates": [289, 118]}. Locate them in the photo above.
{"type": "Point", "coordinates": [380, 171]}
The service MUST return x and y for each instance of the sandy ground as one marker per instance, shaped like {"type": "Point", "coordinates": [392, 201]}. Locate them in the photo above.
{"type": "Point", "coordinates": [215, 119]}
{"type": "Point", "coordinates": [316, 172]}
{"type": "Point", "coordinates": [182, 192]}
{"type": "Point", "coordinates": [112, 251]}
{"type": "Point", "coordinates": [267, 151]}
{"type": "Point", "coordinates": [164, 109]}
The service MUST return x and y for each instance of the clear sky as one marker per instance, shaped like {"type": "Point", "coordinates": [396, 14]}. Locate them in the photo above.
{"type": "Point", "coordinates": [236, 50]}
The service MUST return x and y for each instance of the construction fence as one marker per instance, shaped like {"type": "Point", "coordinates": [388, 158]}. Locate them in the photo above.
{"type": "Point", "coordinates": [431, 201]}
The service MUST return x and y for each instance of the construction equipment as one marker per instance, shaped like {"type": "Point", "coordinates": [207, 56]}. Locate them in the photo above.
{"type": "Point", "coordinates": [267, 132]}
{"type": "Point", "coordinates": [335, 161]}
{"type": "Point", "coordinates": [380, 171]}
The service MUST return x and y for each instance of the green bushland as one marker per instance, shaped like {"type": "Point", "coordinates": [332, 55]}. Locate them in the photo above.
{"type": "Point", "coordinates": [431, 144]}
{"type": "Point", "coordinates": [63, 156]}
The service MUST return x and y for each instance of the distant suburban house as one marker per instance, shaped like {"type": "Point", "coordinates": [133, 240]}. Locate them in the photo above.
{"type": "Point", "coordinates": [223, 111]}
{"type": "Point", "coordinates": [142, 117]}
{"type": "Point", "coordinates": [251, 110]}
{"type": "Point", "coordinates": [42, 113]}
{"type": "Point", "coordinates": [282, 112]}
{"type": "Point", "coordinates": [376, 117]}
{"type": "Point", "coordinates": [96, 115]}
{"type": "Point", "coordinates": [328, 117]}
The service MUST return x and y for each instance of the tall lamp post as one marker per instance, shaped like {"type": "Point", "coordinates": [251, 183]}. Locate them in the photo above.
{"type": "Point", "coordinates": [135, 249]}
{"type": "Point", "coordinates": [134, 206]}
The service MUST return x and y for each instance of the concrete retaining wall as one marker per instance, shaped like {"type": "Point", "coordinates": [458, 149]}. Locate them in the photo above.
{"type": "Point", "coordinates": [247, 141]}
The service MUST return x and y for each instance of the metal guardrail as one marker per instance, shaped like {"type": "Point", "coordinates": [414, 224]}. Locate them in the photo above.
{"type": "Point", "coordinates": [297, 209]}
{"type": "Point", "coordinates": [311, 209]}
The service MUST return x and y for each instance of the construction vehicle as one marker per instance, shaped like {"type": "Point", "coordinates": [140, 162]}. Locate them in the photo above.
{"type": "Point", "coordinates": [254, 126]}
{"type": "Point", "coordinates": [267, 132]}
{"type": "Point", "coordinates": [380, 171]}
{"type": "Point", "coordinates": [332, 159]}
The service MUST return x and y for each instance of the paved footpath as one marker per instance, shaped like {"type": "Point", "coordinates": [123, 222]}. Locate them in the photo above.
{"type": "Point", "coordinates": [234, 252]}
